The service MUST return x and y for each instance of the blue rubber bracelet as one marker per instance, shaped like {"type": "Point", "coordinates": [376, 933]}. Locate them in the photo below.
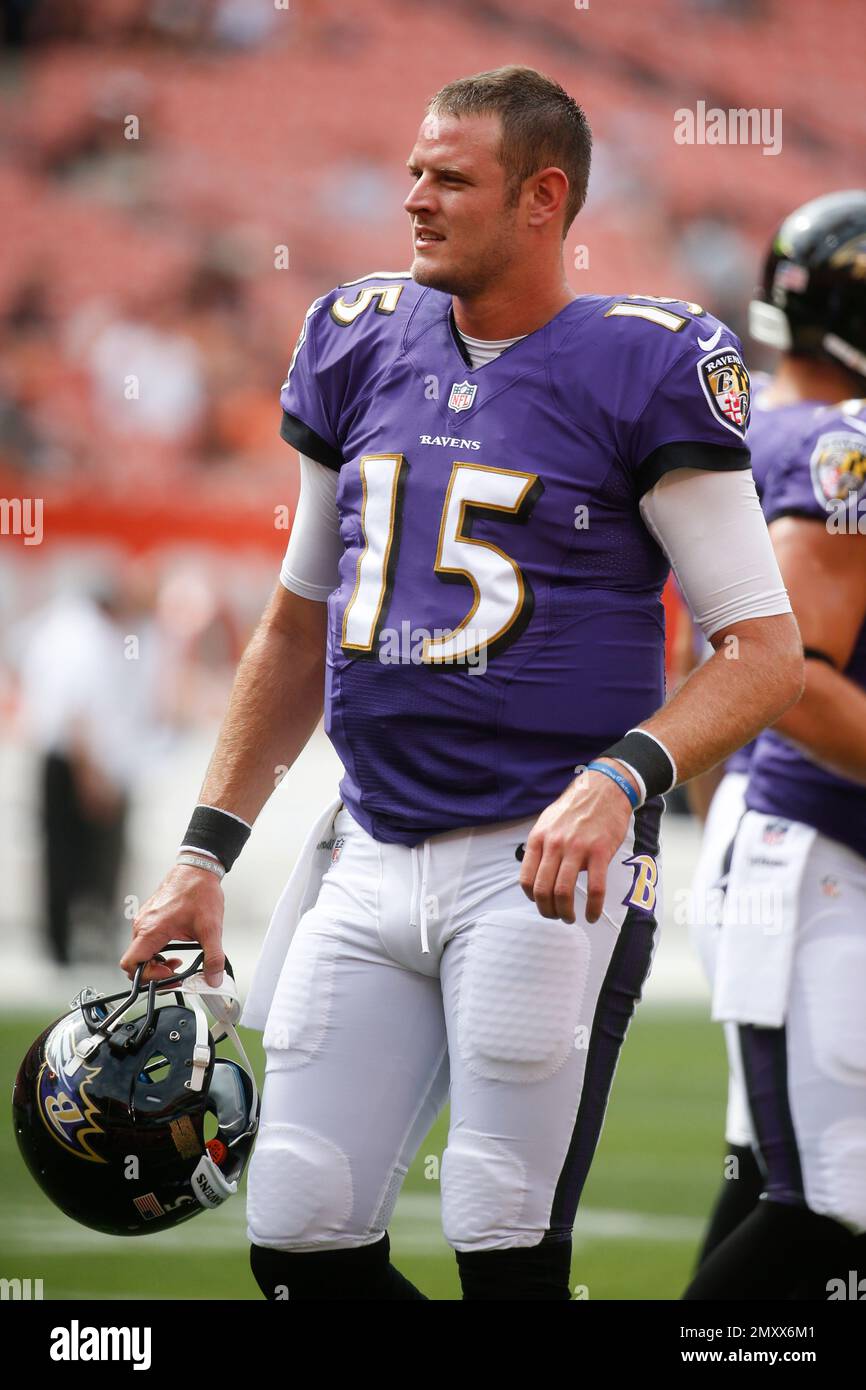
{"type": "Point", "coordinates": [622, 782]}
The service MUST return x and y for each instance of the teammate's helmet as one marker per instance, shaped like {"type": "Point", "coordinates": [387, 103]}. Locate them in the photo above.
{"type": "Point", "coordinates": [813, 297]}
{"type": "Point", "coordinates": [109, 1109]}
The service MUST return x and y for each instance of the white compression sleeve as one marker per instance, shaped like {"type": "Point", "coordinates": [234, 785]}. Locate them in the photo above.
{"type": "Point", "coordinates": [311, 562]}
{"type": "Point", "coordinates": [711, 528]}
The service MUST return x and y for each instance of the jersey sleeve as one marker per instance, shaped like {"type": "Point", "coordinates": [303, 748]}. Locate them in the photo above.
{"type": "Point", "coordinates": [824, 475]}
{"type": "Point", "coordinates": [696, 412]}
{"type": "Point", "coordinates": [310, 397]}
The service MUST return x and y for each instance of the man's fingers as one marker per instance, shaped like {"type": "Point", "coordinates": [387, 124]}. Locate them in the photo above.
{"type": "Point", "coordinates": [596, 885]}
{"type": "Point", "coordinates": [160, 969]}
{"type": "Point", "coordinates": [548, 879]}
{"type": "Point", "coordinates": [213, 971]}
{"type": "Point", "coordinates": [214, 957]}
{"type": "Point", "coordinates": [546, 876]}
{"type": "Point", "coordinates": [146, 944]}
{"type": "Point", "coordinates": [563, 892]}
{"type": "Point", "coordinates": [138, 950]}
{"type": "Point", "coordinates": [143, 952]}
{"type": "Point", "coordinates": [531, 860]}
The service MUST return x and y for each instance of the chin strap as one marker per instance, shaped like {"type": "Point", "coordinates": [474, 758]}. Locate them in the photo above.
{"type": "Point", "coordinates": [224, 1005]}
{"type": "Point", "coordinates": [210, 1187]}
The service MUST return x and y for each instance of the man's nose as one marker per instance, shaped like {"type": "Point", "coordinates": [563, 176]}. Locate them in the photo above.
{"type": "Point", "coordinates": [419, 197]}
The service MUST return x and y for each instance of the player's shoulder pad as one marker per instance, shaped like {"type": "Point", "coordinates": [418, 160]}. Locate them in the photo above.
{"type": "Point", "coordinates": [834, 451]}
{"type": "Point", "coordinates": [355, 319]}
{"type": "Point", "coordinates": [369, 304]}
{"type": "Point", "coordinates": [674, 346]}
{"type": "Point", "coordinates": [664, 327]}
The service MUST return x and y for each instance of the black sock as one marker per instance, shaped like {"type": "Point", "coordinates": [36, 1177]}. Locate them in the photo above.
{"type": "Point", "coordinates": [737, 1198]}
{"type": "Point", "coordinates": [533, 1272]}
{"type": "Point", "coordinates": [771, 1255]}
{"type": "Point", "coordinates": [361, 1272]}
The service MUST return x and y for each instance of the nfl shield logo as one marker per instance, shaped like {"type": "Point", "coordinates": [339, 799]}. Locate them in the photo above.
{"type": "Point", "coordinates": [775, 832]}
{"type": "Point", "coordinates": [462, 395]}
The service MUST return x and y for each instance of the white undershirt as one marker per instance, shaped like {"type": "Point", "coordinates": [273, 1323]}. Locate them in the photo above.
{"type": "Point", "coordinates": [709, 525]}
{"type": "Point", "coordinates": [483, 350]}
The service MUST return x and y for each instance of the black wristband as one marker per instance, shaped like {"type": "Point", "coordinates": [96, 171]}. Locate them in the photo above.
{"type": "Point", "coordinates": [647, 757]}
{"type": "Point", "coordinates": [218, 832]}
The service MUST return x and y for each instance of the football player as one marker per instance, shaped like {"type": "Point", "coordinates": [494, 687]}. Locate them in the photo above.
{"type": "Point", "coordinates": [775, 416]}
{"type": "Point", "coordinates": [496, 476]}
{"type": "Point", "coordinates": [784, 941]}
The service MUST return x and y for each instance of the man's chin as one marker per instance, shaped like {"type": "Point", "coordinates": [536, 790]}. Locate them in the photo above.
{"type": "Point", "coordinates": [431, 276]}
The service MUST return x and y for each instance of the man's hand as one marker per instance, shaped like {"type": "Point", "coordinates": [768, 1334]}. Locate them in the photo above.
{"type": "Point", "coordinates": [187, 906]}
{"type": "Point", "coordinates": [583, 829]}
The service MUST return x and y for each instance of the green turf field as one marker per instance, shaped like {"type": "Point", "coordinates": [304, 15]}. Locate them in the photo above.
{"type": "Point", "coordinates": [652, 1183]}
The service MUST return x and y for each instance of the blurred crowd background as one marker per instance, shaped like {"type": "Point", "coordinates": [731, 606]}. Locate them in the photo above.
{"type": "Point", "coordinates": [177, 183]}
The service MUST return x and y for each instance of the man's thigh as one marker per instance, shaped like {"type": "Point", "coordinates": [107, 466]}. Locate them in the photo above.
{"type": "Point", "coordinates": [536, 1012]}
{"type": "Point", "coordinates": [356, 1073]}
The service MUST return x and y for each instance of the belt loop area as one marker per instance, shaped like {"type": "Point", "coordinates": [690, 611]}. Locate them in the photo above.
{"type": "Point", "coordinates": [425, 869]}
{"type": "Point", "coordinates": [413, 901]}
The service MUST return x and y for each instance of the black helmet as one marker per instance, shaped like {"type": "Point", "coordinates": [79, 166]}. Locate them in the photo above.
{"type": "Point", "coordinates": [109, 1110]}
{"type": "Point", "coordinates": [813, 296]}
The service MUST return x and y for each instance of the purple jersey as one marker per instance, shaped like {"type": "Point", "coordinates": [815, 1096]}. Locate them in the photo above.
{"type": "Point", "coordinates": [498, 618]}
{"type": "Point", "coordinates": [772, 430]}
{"type": "Point", "coordinates": [821, 475]}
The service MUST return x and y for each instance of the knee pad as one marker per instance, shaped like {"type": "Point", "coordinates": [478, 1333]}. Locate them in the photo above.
{"type": "Point", "coordinates": [512, 1035]}
{"type": "Point", "coordinates": [299, 1194]}
{"type": "Point", "coordinates": [533, 1272]}
{"type": "Point", "coordinates": [484, 1189]}
{"type": "Point", "coordinates": [843, 1174]}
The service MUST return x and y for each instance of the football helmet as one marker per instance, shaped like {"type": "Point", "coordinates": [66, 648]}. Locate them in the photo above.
{"type": "Point", "coordinates": [110, 1103]}
{"type": "Point", "coordinates": [813, 296]}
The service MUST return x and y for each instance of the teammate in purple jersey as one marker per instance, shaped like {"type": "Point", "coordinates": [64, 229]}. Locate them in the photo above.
{"type": "Point", "coordinates": [790, 988]}
{"type": "Point", "coordinates": [774, 429]}
{"type": "Point", "coordinates": [496, 476]}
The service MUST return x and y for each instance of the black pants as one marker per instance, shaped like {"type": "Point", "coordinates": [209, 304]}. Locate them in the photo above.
{"type": "Point", "coordinates": [81, 856]}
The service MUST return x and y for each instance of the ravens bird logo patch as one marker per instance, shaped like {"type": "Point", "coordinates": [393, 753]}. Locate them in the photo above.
{"type": "Point", "coordinates": [725, 383]}
{"type": "Point", "coordinates": [838, 466]}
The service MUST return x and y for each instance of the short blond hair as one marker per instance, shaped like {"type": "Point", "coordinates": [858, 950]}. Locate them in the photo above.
{"type": "Point", "coordinates": [541, 126]}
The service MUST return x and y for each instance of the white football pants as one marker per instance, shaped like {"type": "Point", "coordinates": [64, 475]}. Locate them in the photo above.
{"type": "Point", "coordinates": [420, 969]}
